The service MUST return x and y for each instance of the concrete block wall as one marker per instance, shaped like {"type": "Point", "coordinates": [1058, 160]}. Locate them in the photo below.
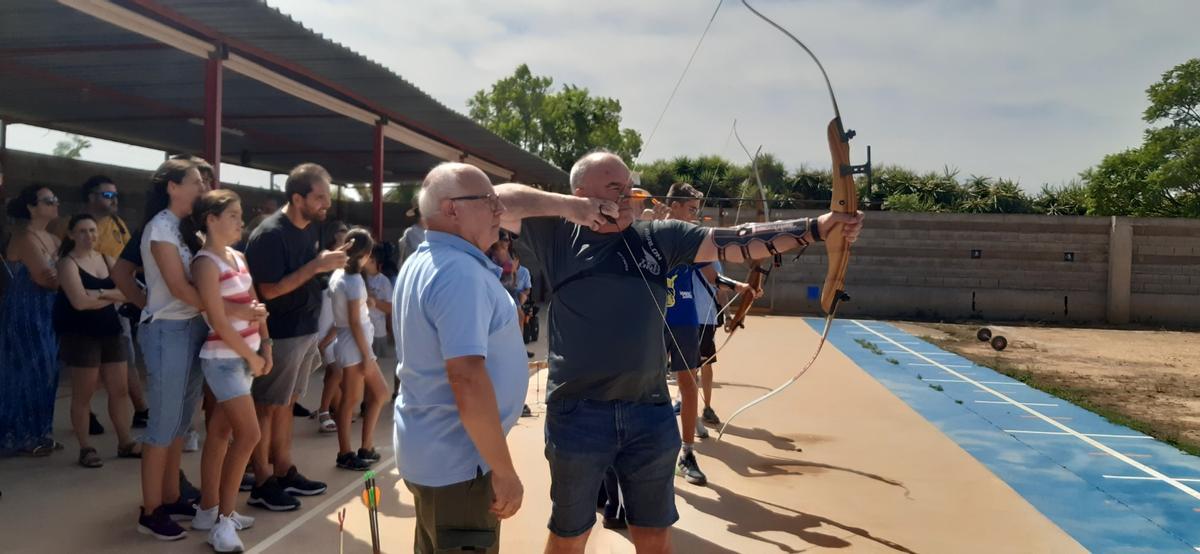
{"type": "Point", "coordinates": [921, 266]}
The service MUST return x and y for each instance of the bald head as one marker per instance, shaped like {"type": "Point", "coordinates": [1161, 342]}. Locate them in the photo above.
{"type": "Point", "coordinates": [447, 180]}
{"type": "Point", "coordinates": [598, 169]}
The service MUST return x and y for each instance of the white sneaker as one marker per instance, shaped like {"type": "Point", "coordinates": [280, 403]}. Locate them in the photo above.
{"type": "Point", "coordinates": [701, 430]}
{"type": "Point", "coordinates": [191, 442]}
{"type": "Point", "coordinates": [206, 519]}
{"type": "Point", "coordinates": [224, 537]}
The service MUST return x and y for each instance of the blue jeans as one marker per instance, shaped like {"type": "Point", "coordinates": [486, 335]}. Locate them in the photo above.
{"type": "Point", "coordinates": [171, 349]}
{"type": "Point", "coordinates": [586, 437]}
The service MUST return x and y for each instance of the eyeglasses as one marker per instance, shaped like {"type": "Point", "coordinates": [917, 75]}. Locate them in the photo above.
{"type": "Point", "coordinates": [49, 200]}
{"type": "Point", "coordinates": [109, 194]}
{"type": "Point", "coordinates": [493, 200]}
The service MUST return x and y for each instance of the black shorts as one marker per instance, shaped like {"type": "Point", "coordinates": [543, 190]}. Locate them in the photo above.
{"type": "Point", "coordinates": [687, 356]}
{"type": "Point", "coordinates": [83, 351]}
{"type": "Point", "coordinates": [708, 343]}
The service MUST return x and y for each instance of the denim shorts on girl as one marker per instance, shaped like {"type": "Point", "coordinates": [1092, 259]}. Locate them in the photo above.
{"type": "Point", "coordinates": [171, 350]}
{"type": "Point", "coordinates": [227, 378]}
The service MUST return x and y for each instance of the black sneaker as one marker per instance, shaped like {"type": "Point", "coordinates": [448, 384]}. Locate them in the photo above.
{"type": "Point", "coordinates": [690, 470]}
{"type": "Point", "coordinates": [678, 406]}
{"type": "Point", "coordinates": [526, 412]}
{"type": "Point", "coordinates": [187, 490]}
{"type": "Point", "coordinates": [369, 455]}
{"type": "Point", "coordinates": [94, 427]}
{"type": "Point", "coordinates": [295, 483]}
{"type": "Point", "coordinates": [615, 522]}
{"type": "Point", "coordinates": [247, 482]}
{"type": "Point", "coordinates": [300, 411]}
{"type": "Point", "coordinates": [271, 496]}
{"type": "Point", "coordinates": [159, 525]}
{"type": "Point", "coordinates": [710, 417]}
{"type": "Point", "coordinates": [140, 418]}
{"type": "Point", "coordinates": [351, 461]}
{"type": "Point", "coordinates": [180, 510]}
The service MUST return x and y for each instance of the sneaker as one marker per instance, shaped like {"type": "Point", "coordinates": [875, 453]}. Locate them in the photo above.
{"type": "Point", "coordinates": [140, 419]}
{"type": "Point", "coordinates": [191, 441]}
{"type": "Point", "coordinates": [690, 470]}
{"type": "Point", "coordinates": [369, 455]}
{"type": "Point", "coordinates": [526, 412]}
{"type": "Point", "coordinates": [187, 489]}
{"type": "Point", "coordinates": [678, 406]}
{"type": "Point", "coordinates": [325, 423]}
{"type": "Point", "coordinates": [94, 427]}
{"type": "Point", "coordinates": [710, 417]}
{"type": "Point", "coordinates": [206, 519]}
{"type": "Point", "coordinates": [180, 510]}
{"type": "Point", "coordinates": [224, 537]}
{"type": "Point", "coordinates": [159, 525]}
{"type": "Point", "coordinates": [300, 411]}
{"type": "Point", "coordinates": [271, 496]}
{"type": "Point", "coordinates": [247, 482]}
{"type": "Point", "coordinates": [351, 461]}
{"type": "Point", "coordinates": [295, 483]}
{"type": "Point", "coordinates": [701, 430]}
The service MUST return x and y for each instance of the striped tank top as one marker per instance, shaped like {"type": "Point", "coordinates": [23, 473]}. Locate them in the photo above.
{"type": "Point", "coordinates": [235, 288]}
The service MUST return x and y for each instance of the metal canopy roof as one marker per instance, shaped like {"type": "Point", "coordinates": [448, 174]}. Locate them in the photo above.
{"type": "Point", "coordinates": [64, 69]}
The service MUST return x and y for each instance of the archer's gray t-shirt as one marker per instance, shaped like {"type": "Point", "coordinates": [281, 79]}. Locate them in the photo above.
{"type": "Point", "coordinates": [606, 331]}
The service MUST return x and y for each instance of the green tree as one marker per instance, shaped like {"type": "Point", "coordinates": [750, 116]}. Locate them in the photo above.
{"type": "Point", "coordinates": [1162, 176]}
{"type": "Point", "coordinates": [1068, 199]}
{"type": "Point", "coordinates": [72, 147]}
{"type": "Point", "coordinates": [557, 126]}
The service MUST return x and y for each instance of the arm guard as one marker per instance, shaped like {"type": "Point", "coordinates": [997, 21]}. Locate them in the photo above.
{"type": "Point", "coordinates": [803, 231]}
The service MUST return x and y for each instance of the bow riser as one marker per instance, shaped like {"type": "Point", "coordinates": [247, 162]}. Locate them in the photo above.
{"type": "Point", "coordinates": [844, 200]}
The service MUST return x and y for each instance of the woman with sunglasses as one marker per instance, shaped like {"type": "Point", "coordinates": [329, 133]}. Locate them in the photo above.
{"type": "Point", "coordinates": [28, 344]}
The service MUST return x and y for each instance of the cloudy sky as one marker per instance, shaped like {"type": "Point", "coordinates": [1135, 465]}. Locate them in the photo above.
{"type": "Point", "coordinates": [1032, 90]}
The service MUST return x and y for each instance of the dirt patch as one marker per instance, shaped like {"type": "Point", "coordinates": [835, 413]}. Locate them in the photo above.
{"type": "Point", "coordinates": [1147, 380]}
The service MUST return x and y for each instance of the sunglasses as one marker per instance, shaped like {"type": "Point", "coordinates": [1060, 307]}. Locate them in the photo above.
{"type": "Point", "coordinates": [109, 194]}
{"type": "Point", "coordinates": [48, 200]}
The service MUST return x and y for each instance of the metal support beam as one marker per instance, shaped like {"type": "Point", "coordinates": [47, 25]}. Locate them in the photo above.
{"type": "Point", "coordinates": [377, 181]}
{"type": "Point", "coordinates": [214, 91]}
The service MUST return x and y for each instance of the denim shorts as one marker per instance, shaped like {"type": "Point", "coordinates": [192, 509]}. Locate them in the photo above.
{"type": "Point", "coordinates": [171, 349]}
{"type": "Point", "coordinates": [227, 378]}
{"type": "Point", "coordinates": [586, 437]}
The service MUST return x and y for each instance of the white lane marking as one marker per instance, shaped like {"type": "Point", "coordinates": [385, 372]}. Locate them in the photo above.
{"type": "Point", "coordinates": [1058, 425]}
{"type": "Point", "coordinates": [321, 509]}
{"type": "Point", "coordinates": [914, 352]}
{"type": "Point", "coordinates": [947, 365]}
{"type": "Point", "coordinates": [1144, 478]}
{"type": "Point", "coordinates": [1006, 383]}
{"type": "Point", "coordinates": [1042, 404]}
{"type": "Point", "coordinates": [1094, 435]}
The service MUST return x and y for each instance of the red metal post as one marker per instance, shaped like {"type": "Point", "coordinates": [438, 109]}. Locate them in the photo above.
{"type": "Point", "coordinates": [213, 91]}
{"type": "Point", "coordinates": [377, 182]}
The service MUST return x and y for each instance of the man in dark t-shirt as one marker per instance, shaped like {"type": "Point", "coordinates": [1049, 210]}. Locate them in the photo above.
{"type": "Point", "coordinates": [607, 401]}
{"type": "Point", "coordinates": [283, 257]}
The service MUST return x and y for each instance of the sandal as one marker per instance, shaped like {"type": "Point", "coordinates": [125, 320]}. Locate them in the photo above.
{"type": "Point", "coordinates": [39, 451]}
{"type": "Point", "coordinates": [325, 423]}
{"type": "Point", "coordinates": [130, 450]}
{"type": "Point", "coordinates": [89, 458]}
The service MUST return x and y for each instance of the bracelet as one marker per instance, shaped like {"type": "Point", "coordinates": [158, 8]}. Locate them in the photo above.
{"type": "Point", "coordinates": [729, 283]}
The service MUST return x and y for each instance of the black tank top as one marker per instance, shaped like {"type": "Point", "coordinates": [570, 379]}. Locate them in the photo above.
{"type": "Point", "coordinates": [103, 322]}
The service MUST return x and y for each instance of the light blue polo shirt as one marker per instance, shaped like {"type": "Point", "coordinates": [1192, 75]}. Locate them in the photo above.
{"type": "Point", "coordinates": [448, 302]}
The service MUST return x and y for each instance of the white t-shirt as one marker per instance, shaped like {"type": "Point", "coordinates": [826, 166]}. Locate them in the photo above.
{"type": "Point", "coordinates": [381, 288]}
{"type": "Point", "coordinates": [344, 287]}
{"type": "Point", "coordinates": [160, 303]}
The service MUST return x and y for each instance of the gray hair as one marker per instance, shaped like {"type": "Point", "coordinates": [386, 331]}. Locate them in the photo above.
{"type": "Point", "coordinates": [434, 188]}
{"type": "Point", "coordinates": [582, 165]}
